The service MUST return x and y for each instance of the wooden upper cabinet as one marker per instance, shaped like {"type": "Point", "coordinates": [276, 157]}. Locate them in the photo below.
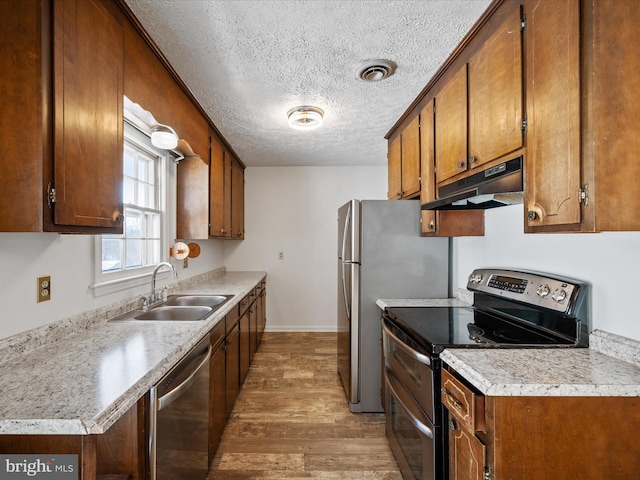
{"type": "Point", "coordinates": [495, 94]}
{"type": "Point", "coordinates": [66, 89]}
{"type": "Point", "coordinates": [451, 127]}
{"type": "Point", "coordinates": [410, 155]}
{"type": "Point", "coordinates": [427, 168]}
{"type": "Point", "coordinates": [217, 187]}
{"type": "Point", "coordinates": [613, 198]}
{"type": "Point", "coordinates": [394, 174]}
{"type": "Point", "coordinates": [403, 159]}
{"type": "Point", "coordinates": [237, 199]}
{"type": "Point", "coordinates": [192, 198]}
{"type": "Point", "coordinates": [447, 223]}
{"type": "Point", "coordinates": [553, 159]}
{"type": "Point", "coordinates": [88, 134]}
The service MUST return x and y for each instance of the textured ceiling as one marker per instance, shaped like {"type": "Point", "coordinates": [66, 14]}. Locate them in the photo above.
{"type": "Point", "coordinates": [249, 61]}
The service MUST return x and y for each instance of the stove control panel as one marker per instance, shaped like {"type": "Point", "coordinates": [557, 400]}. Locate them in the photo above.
{"type": "Point", "coordinates": [532, 288]}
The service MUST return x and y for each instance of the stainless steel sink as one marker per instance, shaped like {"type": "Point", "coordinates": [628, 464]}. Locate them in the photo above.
{"type": "Point", "coordinates": [213, 301]}
{"type": "Point", "coordinates": [175, 313]}
{"type": "Point", "coordinates": [179, 308]}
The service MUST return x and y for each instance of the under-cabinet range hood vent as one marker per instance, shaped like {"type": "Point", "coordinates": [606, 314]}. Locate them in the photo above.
{"type": "Point", "coordinates": [495, 186]}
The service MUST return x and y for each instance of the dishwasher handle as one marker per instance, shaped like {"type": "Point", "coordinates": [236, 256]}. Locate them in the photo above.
{"type": "Point", "coordinates": [172, 395]}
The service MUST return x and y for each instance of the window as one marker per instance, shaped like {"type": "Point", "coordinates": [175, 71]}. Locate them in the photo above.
{"type": "Point", "coordinates": [126, 260]}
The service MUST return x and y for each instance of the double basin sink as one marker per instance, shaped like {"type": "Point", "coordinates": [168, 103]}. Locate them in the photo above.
{"type": "Point", "coordinates": [180, 308]}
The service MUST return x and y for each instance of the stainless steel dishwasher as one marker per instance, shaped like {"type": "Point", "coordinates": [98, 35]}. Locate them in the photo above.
{"type": "Point", "coordinates": [179, 419]}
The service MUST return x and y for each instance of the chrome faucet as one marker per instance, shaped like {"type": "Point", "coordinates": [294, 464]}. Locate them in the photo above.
{"type": "Point", "coordinates": [152, 298]}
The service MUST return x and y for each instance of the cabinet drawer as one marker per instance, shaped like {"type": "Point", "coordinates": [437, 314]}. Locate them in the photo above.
{"type": "Point", "coordinates": [218, 333]}
{"type": "Point", "coordinates": [463, 403]}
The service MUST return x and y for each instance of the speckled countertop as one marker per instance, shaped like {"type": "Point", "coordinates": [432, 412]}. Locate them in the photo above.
{"type": "Point", "coordinates": [82, 380]}
{"type": "Point", "coordinates": [610, 367]}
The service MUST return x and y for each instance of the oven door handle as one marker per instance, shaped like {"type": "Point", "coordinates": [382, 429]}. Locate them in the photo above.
{"type": "Point", "coordinates": [392, 384]}
{"type": "Point", "coordinates": [420, 357]}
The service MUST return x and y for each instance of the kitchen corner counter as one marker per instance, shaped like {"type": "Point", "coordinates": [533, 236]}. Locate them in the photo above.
{"type": "Point", "coordinates": [584, 372]}
{"type": "Point", "coordinates": [83, 382]}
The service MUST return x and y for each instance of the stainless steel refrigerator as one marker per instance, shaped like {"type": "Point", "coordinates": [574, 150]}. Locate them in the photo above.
{"type": "Point", "coordinates": [380, 255]}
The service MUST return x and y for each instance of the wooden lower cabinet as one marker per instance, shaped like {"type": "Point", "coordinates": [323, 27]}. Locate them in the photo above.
{"type": "Point", "coordinates": [245, 345]}
{"type": "Point", "coordinates": [119, 453]}
{"type": "Point", "coordinates": [232, 367]}
{"type": "Point", "coordinates": [518, 437]}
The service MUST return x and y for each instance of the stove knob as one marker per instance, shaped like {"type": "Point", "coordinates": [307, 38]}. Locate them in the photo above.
{"type": "Point", "coordinates": [475, 278]}
{"type": "Point", "coordinates": [543, 290]}
{"type": "Point", "coordinates": [559, 295]}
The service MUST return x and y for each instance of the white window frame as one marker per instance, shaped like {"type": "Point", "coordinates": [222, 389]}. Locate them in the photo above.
{"type": "Point", "coordinates": [111, 282]}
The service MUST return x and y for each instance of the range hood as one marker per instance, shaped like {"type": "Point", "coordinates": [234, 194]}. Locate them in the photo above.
{"type": "Point", "coordinates": [495, 186]}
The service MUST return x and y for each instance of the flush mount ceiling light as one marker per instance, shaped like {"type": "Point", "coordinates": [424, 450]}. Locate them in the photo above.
{"type": "Point", "coordinates": [305, 117]}
{"type": "Point", "coordinates": [376, 70]}
{"type": "Point", "coordinates": [163, 136]}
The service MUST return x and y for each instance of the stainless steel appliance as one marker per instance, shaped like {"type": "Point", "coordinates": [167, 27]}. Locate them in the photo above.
{"type": "Point", "coordinates": [492, 187]}
{"type": "Point", "coordinates": [380, 255]}
{"type": "Point", "coordinates": [511, 309]}
{"type": "Point", "coordinates": [179, 423]}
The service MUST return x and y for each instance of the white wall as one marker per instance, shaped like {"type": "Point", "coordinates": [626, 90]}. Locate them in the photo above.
{"type": "Point", "coordinates": [294, 210]}
{"type": "Point", "coordinates": [609, 261]}
{"type": "Point", "coordinates": [68, 259]}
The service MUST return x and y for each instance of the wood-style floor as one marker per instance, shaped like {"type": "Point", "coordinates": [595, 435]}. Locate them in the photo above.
{"type": "Point", "coordinates": [291, 419]}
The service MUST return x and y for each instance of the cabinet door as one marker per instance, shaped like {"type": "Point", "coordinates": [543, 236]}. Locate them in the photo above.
{"type": "Point", "coordinates": [394, 168]}
{"type": "Point", "coordinates": [616, 103]}
{"type": "Point", "coordinates": [495, 94]}
{"type": "Point", "coordinates": [245, 345]}
{"type": "Point", "coordinates": [218, 410]}
{"type": "Point", "coordinates": [451, 127]}
{"type": "Point", "coordinates": [410, 158]}
{"type": "Point", "coordinates": [427, 168]}
{"type": "Point", "coordinates": [232, 367]}
{"type": "Point", "coordinates": [88, 135]}
{"type": "Point", "coordinates": [467, 454]}
{"type": "Point", "coordinates": [552, 162]}
{"type": "Point", "coordinates": [192, 198]}
{"type": "Point", "coordinates": [237, 199]}
{"type": "Point", "coordinates": [216, 189]}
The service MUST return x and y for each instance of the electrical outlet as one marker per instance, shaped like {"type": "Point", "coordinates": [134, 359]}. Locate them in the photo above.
{"type": "Point", "coordinates": [44, 289]}
{"type": "Point", "coordinates": [185, 262]}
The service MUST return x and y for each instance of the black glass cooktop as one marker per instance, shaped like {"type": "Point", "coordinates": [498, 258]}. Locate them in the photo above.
{"type": "Point", "coordinates": [437, 328]}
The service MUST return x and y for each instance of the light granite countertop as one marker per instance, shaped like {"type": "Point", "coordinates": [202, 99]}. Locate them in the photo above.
{"type": "Point", "coordinates": [545, 372]}
{"type": "Point", "coordinates": [81, 382]}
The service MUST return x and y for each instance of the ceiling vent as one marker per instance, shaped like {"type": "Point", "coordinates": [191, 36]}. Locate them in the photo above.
{"type": "Point", "coordinates": [376, 70]}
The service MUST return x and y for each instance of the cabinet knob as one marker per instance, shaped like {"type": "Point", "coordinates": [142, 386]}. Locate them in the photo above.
{"type": "Point", "coordinates": [452, 425]}
{"type": "Point", "coordinates": [460, 164]}
{"type": "Point", "coordinates": [432, 225]}
{"type": "Point", "coordinates": [472, 159]}
{"type": "Point", "coordinates": [531, 215]}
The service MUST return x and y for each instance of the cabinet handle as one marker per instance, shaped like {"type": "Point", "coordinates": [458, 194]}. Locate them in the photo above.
{"type": "Point", "coordinates": [432, 225]}
{"type": "Point", "coordinates": [453, 425]}
{"type": "Point", "coordinates": [460, 164]}
{"type": "Point", "coordinates": [531, 215]}
{"type": "Point", "coordinates": [452, 400]}
{"type": "Point", "coordinates": [472, 159]}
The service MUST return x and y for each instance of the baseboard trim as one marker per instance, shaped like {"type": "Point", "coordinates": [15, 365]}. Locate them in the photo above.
{"type": "Point", "coordinates": [299, 328]}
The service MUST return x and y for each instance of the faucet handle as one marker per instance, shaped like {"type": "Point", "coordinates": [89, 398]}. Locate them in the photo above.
{"type": "Point", "coordinates": [144, 302]}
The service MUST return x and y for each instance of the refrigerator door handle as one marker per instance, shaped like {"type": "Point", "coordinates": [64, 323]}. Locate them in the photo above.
{"type": "Point", "coordinates": [347, 307]}
{"type": "Point", "coordinates": [347, 221]}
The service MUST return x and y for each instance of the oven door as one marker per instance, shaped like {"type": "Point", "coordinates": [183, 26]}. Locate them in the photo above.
{"type": "Point", "coordinates": [414, 368]}
{"type": "Point", "coordinates": [411, 434]}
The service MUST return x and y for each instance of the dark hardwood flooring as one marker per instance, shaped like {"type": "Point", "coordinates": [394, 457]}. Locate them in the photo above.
{"type": "Point", "coordinates": [291, 419]}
